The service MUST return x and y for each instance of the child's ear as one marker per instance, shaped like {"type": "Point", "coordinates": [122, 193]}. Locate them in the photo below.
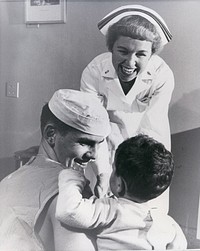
{"type": "Point", "coordinates": [121, 187]}
{"type": "Point", "coordinates": [49, 134]}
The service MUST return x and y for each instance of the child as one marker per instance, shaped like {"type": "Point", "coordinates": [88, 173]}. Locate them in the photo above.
{"type": "Point", "coordinates": [142, 170]}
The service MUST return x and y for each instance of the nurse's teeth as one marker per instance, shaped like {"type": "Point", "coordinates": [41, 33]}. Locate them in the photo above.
{"type": "Point", "coordinates": [127, 70]}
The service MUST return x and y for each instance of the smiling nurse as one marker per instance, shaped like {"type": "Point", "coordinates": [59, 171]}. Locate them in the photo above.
{"type": "Point", "coordinates": [132, 82]}
{"type": "Point", "coordinates": [129, 57]}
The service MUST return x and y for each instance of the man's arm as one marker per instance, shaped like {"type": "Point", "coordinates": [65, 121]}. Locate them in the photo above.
{"type": "Point", "coordinates": [60, 237]}
{"type": "Point", "coordinates": [44, 227]}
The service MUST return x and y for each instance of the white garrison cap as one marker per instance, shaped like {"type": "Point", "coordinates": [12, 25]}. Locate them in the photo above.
{"type": "Point", "coordinates": [127, 10]}
{"type": "Point", "coordinates": [80, 110]}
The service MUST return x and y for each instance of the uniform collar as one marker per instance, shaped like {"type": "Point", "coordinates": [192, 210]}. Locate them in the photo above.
{"type": "Point", "coordinates": [108, 70]}
{"type": "Point", "coordinates": [142, 208]}
{"type": "Point", "coordinates": [143, 82]}
{"type": "Point", "coordinates": [43, 161]}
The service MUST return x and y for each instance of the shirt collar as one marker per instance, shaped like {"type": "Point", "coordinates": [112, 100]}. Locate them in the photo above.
{"type": "Point", "coordinates": [42, 161]}
{"type": "Point", "coordinates": [108, 70]}
{"type": "Point", "coordinates": [141, 207]}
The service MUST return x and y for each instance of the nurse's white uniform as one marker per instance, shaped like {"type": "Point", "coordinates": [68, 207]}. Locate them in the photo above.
{"type": "Point", "coordinates": [143, 110]}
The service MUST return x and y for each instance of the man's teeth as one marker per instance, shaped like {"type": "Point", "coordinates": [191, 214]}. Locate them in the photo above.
{"type": "Point", "coordinates": [82, 164]}
{"type": "Point", "coordinates": [127, 71]}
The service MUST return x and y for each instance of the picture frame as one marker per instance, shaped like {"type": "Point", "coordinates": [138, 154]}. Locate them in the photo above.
{"type": "Point", "coordinates": [45, 11]}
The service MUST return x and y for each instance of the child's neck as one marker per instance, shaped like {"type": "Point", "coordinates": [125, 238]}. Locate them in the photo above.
{"type": "Point", "coordinates": [133, 198]}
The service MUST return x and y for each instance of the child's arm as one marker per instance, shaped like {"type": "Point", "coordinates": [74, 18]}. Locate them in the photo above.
{"type": "Point", "coordinates": [74, 210]}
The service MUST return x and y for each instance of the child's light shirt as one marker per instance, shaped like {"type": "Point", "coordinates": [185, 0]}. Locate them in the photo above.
{"type": "Point", "coordinates": [120, 224]}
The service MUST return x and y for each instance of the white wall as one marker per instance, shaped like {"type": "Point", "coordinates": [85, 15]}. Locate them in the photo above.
{"type": "Point", "coordinates": [53, 56]}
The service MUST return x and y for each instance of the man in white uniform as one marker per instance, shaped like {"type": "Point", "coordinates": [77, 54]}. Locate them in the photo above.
{"type": "Point", "coordinates": [73, 125]}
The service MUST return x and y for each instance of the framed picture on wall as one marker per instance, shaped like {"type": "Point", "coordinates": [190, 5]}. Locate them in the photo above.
{"type": "Point", "coordinates": [45, 11]}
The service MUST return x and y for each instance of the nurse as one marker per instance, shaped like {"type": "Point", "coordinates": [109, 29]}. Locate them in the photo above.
{"type": "Point", "coordinates": [132, 82]}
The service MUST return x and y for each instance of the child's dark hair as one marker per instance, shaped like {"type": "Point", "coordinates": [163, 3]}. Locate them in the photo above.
{"type": "Point", "coordinates": [145, 165]}
{"type": "Point", "coordinates": [47, 116]}
{"type": "Point", "coordinates": [136, 27]}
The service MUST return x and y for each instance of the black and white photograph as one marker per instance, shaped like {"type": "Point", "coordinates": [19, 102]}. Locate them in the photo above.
{"type": "Point", "coordinates": [99, 125]}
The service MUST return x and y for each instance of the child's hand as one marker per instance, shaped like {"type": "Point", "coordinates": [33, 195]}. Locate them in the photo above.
{"type": "Point", "coordinates": [68, 177]}
{"type": "Point", "coordinates": [78, 167]}
{"type": "Point", "coordinates": [71, 164]}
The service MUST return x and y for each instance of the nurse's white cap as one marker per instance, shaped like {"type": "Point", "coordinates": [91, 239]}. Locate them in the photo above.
{"type": "Point", "coordinates": [80, 110]}
{"type": "Point", "coordinates": [151, 15]}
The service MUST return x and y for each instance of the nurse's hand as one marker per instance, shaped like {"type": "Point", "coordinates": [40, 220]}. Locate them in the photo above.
{"type": "Point", "coordinates": [102, 185]}
{"type": "Point", "coordinates": [116, 117]}
{"type": "Point", "coordinates": [115, 138]}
